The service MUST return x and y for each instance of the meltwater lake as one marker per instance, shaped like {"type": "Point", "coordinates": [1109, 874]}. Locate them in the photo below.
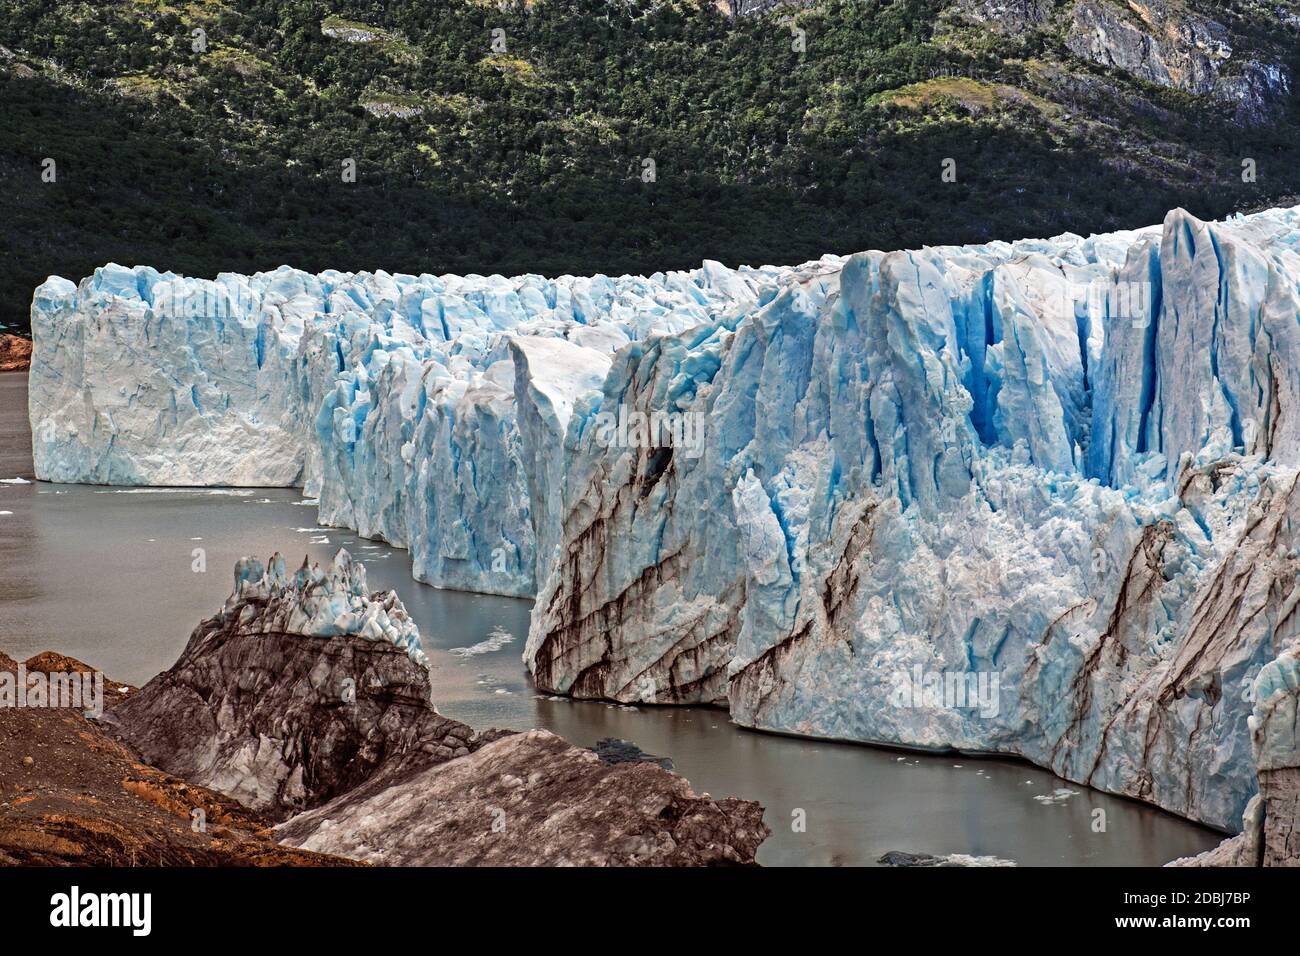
{"type": "Point", "coordinates": [107, 575]}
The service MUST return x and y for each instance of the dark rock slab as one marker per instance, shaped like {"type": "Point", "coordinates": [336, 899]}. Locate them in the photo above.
{"type": "Point", "coordinates": [285, 721]}
{"type": "Point", "coordinates": [340, 730]}
{"type": "Point", "coordinates": [614, 750]}
{"type": "Point", "coordinates": [532, 799]}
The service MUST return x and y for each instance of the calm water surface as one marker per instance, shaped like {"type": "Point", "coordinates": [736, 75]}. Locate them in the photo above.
{"type": "Point", "coordinates": [105, 575]}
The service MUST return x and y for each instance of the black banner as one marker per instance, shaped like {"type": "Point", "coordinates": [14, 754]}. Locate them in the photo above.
{"type": "Point", "coordinates": [338, 906]}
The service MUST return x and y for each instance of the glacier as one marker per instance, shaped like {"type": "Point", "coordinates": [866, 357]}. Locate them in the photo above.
{"type": "Point", "coordinates": [319, 602]}
{"type": "Point", "coordinates": [392, 398]}
{"type": "Point", "coordinates": [1034, 498]}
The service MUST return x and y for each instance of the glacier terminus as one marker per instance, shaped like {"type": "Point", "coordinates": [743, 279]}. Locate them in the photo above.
{"type": "Point", "coordinates": [1036, 498]}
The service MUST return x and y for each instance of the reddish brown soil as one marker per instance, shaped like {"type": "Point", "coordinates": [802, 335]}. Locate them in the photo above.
{"type": "Point", "coordinates": [15, 353]}
{"type": "Point", "coordinates": [71, 795]}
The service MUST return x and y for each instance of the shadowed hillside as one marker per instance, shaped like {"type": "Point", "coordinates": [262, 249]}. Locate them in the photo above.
{"type": "Point", "coordinates": [585, 136]}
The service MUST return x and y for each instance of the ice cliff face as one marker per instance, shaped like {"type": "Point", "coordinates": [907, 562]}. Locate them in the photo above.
{"type": "Point", "coordinates": [147, 378]}
{"type": "Point", "coordinates": [1270, 827]}
{"type": "Point", "coordinates": [1035, 498]}
{"type": "Point", "coordinates": [392, 398]}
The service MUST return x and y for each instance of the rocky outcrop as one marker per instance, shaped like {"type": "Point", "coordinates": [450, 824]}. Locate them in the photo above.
{"type": "Point", "coordinates": [532, 799]}
{"type": "Point", "coordinates": [15, 353]}
{"type": "Point", "coordinates": [753, 8]}
{"type": "Point", "coordinates": [1254, 91]}
{"type": "Point", "coordinates": [307, 695]}
{"type": "Point", "coordinates": [71, 795]}
{"type": "Point", "coordinates": [1008, 16]}
{"type": "Point", "coordinates": [299, 690]}
{"type": "Point", "coordinates": [1153, 40]}
{"type": "Point", "coordinates": [1162, 43]}
{"type": "Point", "coordinates": [902, 858]}
{"type": "Point", "coordinates": [613, 750]}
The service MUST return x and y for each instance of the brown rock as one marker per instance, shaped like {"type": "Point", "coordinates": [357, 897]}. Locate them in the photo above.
{"type": "Point", "coordinates": [15, 353]}
{"type": "Point", "coordinates": [264, 718]}
{"type": "Point", "coordinates": [90, 802]}
{"type": "Point", "coordinates": [256, 711]}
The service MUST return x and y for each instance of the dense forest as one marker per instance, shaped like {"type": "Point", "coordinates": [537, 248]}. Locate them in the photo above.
{"type": "Point", "coordinates": [577, 136]}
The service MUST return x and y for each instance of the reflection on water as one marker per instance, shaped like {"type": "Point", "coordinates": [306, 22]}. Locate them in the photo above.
{"type": "Point", "coordinates": [107, 575]}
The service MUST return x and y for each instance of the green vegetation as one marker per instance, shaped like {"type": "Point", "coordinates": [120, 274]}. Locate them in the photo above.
{"type": "Point", "coordinates": [529, 159]}
{"type": "Point", "coordinates": [353, 31]}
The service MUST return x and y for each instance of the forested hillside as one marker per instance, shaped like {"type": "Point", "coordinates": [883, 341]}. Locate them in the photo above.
{"type": "Point", "coordinates": [587, 136]}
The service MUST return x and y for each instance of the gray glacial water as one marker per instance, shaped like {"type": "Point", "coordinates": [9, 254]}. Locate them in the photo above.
{"type": "Point", "coordinates": [107, 576]}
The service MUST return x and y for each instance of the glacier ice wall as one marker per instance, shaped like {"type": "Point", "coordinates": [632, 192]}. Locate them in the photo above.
{"type": "Point", "coordinates": [391, 398]}
{"type": "Point", "coordinates": [1062, 475]}
{"type": "Point", "coordinates": [148, 378]}
{"type": "Point", "coordinates": [1034, 498]}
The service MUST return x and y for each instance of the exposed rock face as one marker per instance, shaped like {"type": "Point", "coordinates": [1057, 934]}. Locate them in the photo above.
{"type": "Point", "coordinates": [1161, 43]}
{"type": "Point", "coordinates": [1255, 91]}
{"type": "Point", "coordinates": [1152, 40]}
{"type": "Point", "coordinates": [904, 859]}
{"type": "Point", "coordinates": [15, 353]}
{"type": "Point", "coordinates": [1009, 16]}
{"type": "Point", "coordinates": [751, 8]}
{"type": "Point", "coordinates": [532, 799]}
{"type": "Point", "coordinates": [299, 690]}
{"type": "Point", "coordinates": [613, 750]}
{"type": "Point", "coordinates": [269, 707]}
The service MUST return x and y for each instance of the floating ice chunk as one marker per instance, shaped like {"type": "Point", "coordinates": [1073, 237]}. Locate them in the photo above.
{"type": "Point", "coordinates": [1059, 795]}
{"type": "Point", "coordinates": [497, 639]}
